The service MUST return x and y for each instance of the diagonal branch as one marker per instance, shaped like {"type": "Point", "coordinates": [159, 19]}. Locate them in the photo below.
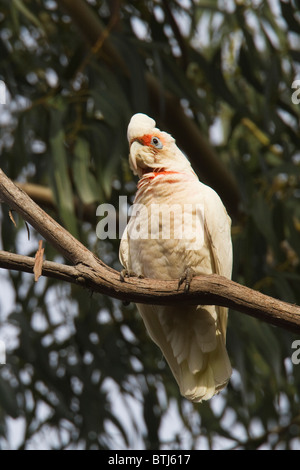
{"type": "Point", "coordinates": [90, 272]}
{"type": "Point", "coordinates": [60, 238]}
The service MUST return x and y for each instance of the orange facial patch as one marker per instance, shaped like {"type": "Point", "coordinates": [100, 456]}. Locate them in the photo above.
{"type": "Point", "coordinates": [146, 139]}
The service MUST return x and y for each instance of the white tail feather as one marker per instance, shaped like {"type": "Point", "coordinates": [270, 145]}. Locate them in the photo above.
{"type": "Point", "coordinates": [193, 346]}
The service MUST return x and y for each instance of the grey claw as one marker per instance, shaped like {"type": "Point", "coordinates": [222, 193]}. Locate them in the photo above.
{"type": "Point", "coordinates": [186, 278]}
{"type": "Point", "coordinates": [126, 273]}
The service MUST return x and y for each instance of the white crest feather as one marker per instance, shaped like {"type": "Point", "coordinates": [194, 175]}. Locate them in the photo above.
{"type": "Point", "coordinates": [139, 125]}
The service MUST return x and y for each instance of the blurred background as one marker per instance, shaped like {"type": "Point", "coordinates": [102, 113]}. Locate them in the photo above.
{"type": "Point", "coordinates": [220, 76]}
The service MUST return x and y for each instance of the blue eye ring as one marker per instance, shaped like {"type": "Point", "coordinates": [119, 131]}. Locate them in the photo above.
{"type": "Point", "coordinates": [156, 142]}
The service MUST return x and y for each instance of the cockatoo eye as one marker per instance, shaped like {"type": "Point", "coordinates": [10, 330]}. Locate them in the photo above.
{"type": "Point", "coordinates": [156, 142]}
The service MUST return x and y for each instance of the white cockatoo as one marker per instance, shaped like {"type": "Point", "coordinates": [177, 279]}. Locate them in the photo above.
{"type": "Point", "coordinates": [179, 228]}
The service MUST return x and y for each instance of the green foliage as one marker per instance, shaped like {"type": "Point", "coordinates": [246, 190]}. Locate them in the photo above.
{"type": "Point", "coordinates": [81, 371]}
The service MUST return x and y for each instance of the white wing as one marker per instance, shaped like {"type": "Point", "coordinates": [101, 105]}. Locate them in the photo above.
{"type": "Point", "coordinates": [218, 230]}
{"type": "Point", "coordinates": [124, 249]}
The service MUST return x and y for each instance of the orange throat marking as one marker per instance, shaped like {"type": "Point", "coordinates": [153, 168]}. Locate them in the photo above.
{"type": "Point", "coordinates": [150, 176]}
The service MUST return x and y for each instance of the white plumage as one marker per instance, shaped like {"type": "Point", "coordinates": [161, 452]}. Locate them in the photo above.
{"type": "Point", "coordinates": [178, 223]}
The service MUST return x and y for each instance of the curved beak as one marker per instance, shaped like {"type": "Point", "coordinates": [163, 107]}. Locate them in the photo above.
{"type": "Point", "coordinates": [133, 151]}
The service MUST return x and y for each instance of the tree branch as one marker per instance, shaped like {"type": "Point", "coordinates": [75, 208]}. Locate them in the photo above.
{"type": "Point", "coordinates": [60, 238]}
{"type": "Point", "coordinates": [90, 272]}
{"type": "Point", "coordinates": [50, 269]}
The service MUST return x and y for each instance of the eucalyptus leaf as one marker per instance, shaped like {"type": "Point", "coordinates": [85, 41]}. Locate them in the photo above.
{"type": "Point", "coordinates": [62, 184]}
{"type": "Point", "coordinates": [8, 399]}
{"type": "Point", "coordinates": [84, 180]}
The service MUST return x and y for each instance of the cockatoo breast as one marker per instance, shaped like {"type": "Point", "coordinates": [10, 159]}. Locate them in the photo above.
{"type": "Point", "coordinates": [166, 230]}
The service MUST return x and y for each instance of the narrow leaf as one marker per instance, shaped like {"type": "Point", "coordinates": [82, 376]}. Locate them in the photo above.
{"type": "Point", "coordinates": [84, 180]}
{"type": "Point", "coordinates": [63, 189]}
{"type": "Point", "coordinates": [38, 263]}
{"type": "Point", "coordinates": [11, 218]}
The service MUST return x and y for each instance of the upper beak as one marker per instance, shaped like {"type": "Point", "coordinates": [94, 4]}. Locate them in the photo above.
{"type": "Point", "coordinates": [133, 163]}
{"type": "Point", "coordinates": [133, 154]}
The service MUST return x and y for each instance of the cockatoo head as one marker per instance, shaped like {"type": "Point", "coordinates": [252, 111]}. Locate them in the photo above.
{"type": "Point", "coordinates": [152, 150]}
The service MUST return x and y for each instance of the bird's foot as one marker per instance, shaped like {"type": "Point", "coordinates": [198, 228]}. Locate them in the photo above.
{"type": "Point", "coordinates": [127, 273]}
{"type": "Point", "coordinates": [186, 278]}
